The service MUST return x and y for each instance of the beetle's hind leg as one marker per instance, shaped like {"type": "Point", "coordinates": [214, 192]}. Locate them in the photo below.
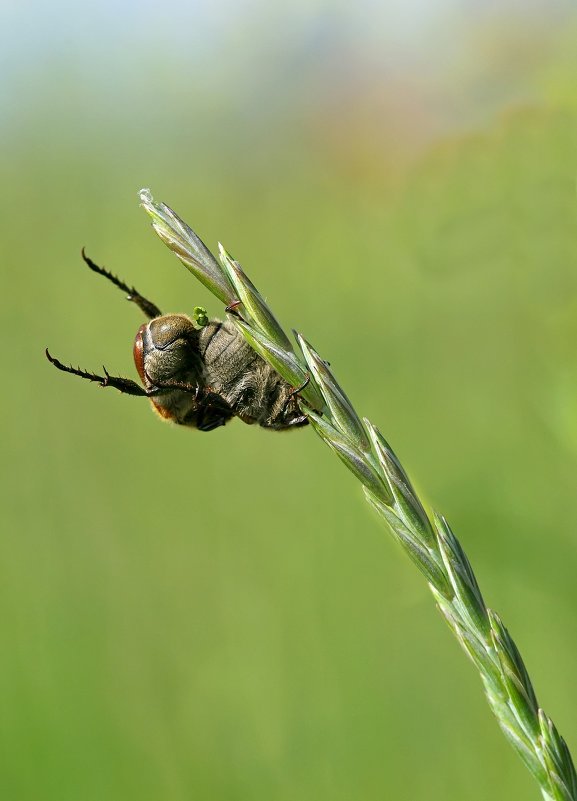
{"type": "Point", "coordinates": [295, 392]}
{"type": "Point", "coordinates": [125, 385]}
{"type": "Point", "coordinates": [150, 309]}
{"type": "Point", "coordinates": [296, 422]}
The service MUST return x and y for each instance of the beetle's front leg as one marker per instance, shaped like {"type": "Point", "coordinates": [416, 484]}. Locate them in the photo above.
{"type": "Point", "coordinates": [125, 385]}
{"type": "Point", "coordinates": [149, 308]}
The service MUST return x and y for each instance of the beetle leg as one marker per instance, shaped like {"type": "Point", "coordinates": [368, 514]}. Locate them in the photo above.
{"type": "Point", "coordinates": [174, 383]}
{"type": "Point", "coordinates": [125, 385]}
{"type": "Point", "coordinates": [146, 306]}
{"type": "Point", "coordinates": [302, 420]}
{"type": "Point", "coordinates": [295, 392]}
{"type": "Point", "coordinates": [214, 411]}
{"type": "Point", "coordinates": [232, 308]}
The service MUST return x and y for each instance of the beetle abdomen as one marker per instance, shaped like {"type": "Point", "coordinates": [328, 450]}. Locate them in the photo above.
{"type": "Point", "coordinates": [254, 390]}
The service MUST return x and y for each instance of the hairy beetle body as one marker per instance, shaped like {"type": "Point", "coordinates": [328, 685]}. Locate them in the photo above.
{"type": "Point", "coordinates": [200, 376]}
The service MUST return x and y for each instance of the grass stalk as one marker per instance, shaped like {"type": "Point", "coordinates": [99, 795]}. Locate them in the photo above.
{"type": "Point", "coordinates": [427, 539]}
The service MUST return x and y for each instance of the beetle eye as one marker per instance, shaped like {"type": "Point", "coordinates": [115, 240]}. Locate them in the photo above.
{"type": "Point", "coordinates": [138, 352]}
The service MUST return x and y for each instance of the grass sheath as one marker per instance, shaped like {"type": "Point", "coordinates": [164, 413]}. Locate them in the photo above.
{"type": "Point", "coordinates": [427, 539]}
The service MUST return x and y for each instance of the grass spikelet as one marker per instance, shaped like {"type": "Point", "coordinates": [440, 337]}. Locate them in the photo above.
{"type": "Point", "coordinates": [427, 539]}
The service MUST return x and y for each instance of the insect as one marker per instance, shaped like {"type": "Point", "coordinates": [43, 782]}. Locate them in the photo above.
{"type": "Point", "coordinates": [199, 374]}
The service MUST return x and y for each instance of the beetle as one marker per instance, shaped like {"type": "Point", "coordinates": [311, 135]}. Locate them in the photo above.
{"type": "Point", "coordinates": [198, 372]}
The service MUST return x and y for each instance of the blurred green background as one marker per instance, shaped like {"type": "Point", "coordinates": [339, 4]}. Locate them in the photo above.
{"type": "Point", "coordinates": [222, 617]}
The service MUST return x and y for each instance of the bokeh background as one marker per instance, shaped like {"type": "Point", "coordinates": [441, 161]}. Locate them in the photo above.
{"type": "Point", "coordinates": [222, 617]}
